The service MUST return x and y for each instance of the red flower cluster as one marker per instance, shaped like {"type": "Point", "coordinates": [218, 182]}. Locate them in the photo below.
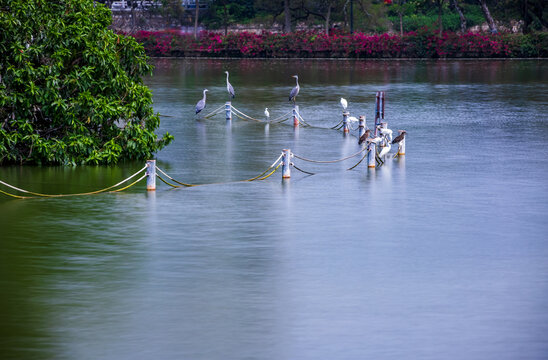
{"type": "Point", "coordinates": [424, 43]}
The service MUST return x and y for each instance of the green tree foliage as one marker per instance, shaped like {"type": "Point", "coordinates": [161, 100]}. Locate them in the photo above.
{"type": "Point", "coordinates": [223, 13]}
{"type": "Point", "coordinates": [70, 89]}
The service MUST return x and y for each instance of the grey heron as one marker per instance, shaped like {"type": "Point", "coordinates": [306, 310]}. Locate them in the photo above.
{"type": "Point", "coordinates": [295, 91]}
{"type": "Point", "coordinates": [202, 103]}
{"type": "Point", "coordinates": [229, 87]}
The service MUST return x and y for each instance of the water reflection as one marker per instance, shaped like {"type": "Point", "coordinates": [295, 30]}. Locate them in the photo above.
{"type": "Point", "coordinates": [419, 256]}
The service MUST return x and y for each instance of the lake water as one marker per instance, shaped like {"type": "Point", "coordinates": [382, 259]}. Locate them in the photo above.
{"type": "Point", "coordinates": [441, 254]}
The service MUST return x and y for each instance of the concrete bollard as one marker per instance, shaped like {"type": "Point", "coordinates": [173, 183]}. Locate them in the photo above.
{"type": "Point", "coordinates": [371, 153]}
{"type": "Point", "coordinates": [228, 111]}
{"type": "Point", "coordinates": [296, 115]}
{"type": "Point", "coordinates": [345, 122]}
{"type": "Point", "coordinates": [286, 161]}
{"type": "Point", "coordinates": [151, 175]}
{"type": "Point", "coordinates": [361, 126]}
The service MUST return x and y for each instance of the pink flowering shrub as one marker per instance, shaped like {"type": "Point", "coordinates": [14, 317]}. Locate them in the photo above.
{"type": "Point", "coordinates": [424, 43]}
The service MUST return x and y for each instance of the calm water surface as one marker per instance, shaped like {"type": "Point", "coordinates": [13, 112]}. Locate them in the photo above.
{"type": "Point", "coordinates": [442, 254]}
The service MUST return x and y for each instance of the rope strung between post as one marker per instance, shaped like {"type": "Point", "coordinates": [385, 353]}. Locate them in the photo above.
{"type": "Point", "coordinates": [167, 183]}
{"type": "Point", "coordinates": [241, 113]}
{"type": "Point", "coordinates": [130, 185]}
{"type": "Point", "coordinates": [336, 127]}
{"type": "Point", "coordinates": [258, 177]}
{"type": "Point", "coordinates": [301, 170]}
{"type": "Point", "coordinates": [301, 119]}
{"type": "Point", "coordinates": [329, 161]}
{"type": "Point", "coordinates": [285, 117]}
{"type": "Point", "coordinates": [214, 112]}
{"type": "Point", "coordinates": [359, 162]}
{"type": "Point", "coordinates": [76, 194]}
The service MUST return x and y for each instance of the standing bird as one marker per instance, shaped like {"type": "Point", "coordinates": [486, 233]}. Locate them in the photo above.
{"type": "Point", "coordinates": [364, 136]}
{"type": "Point", "coordinates": [398, 140]}
{"type": "Point", "coordinates": [266, 113]}
{"type": "Point", "coordinates": [295, 91]}
{"type": "Point", "coordinates": [202, 103]}
{"type": "Point", "coordinates": [344, 103]}
{"type": "Point", "coordinates": [229, 87]}
{"type": "Point", "coordinates": [400, 137]}
{"type": "Point", "coordinates": [386, 132]}
{"type": "Point", "coordinates": [385, 150]}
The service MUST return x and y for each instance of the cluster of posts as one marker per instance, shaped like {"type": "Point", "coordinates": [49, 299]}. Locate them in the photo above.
{"type": "Point", "coordinates": [286, 153]}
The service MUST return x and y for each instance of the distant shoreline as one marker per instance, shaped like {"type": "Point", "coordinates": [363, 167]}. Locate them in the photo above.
{"type": "Point", "coordinates": [423, 44]}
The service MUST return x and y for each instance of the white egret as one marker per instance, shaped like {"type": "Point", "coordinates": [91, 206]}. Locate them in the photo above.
{"type": "Point", "coordinates": [202, 103]}
{"type": "Point", "coordinates": [352, 119]}
{"type": "Point", "coordinates": [385, 132]}
{"type": "Point", "coordinates": [266, 113]}
{"type": "Point", "coordinates": [344, 103]}
{"type": "Point", "coordinates": [385, 150]}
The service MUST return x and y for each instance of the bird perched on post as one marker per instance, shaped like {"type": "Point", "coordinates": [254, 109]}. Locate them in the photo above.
{"type": "Point", "coordinates": [398, 139]}
{"type": "Point", "coordinates": [295, 91]}
{"type": "Point", "coordinates": [386, 132]}
{"type": "Point", "coordinates": [202, 103]}
{"type": "Point", "coordinates": [364, 136]}
{"type": "Point", "coordinates": [266, 113]}
{"type": "Point", "coordinates": [344, 103]}
{"type": "Point", "coordinates": [385, 150]}
{"type": "Point", "coordinates": [229, 87]}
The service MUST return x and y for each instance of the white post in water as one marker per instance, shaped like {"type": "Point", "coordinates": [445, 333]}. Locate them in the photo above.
{"type": "Point", "coordinates": [286, 160]}
{"type": "Point", "coordinates": [296, 115]}
{"type": "Point", "coordinates": [371, 153]}
{"type": "Point", "coordinates": [151, 175]}
{"type": "Point", "coordinates": [345, 122]}
{"type": "Point", "coordinates": [228, 111]}
{"type": "Point", "coordinates": [361, 126]}
{"type": "Point", "coordinates": [401, 148]}
{"type": "Point", "coordinates": [384, 125]}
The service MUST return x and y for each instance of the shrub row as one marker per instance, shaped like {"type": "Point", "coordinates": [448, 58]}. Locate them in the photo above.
{"type": "Point", "coordinates": [424, 43]}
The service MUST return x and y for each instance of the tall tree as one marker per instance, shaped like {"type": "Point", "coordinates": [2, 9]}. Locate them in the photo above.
{"type": "Point", "coordinates": [488, 17]}
{"type": "Point", "coordinates": [456, 6]}
{"type": "Point", "coordinates": [196, 19]}
{"type": "Point", "coordinates": [287, 17]}
{"type": "Point", "coordinates": [439, 3]}
{"type": "Point", "coordinates": [71, 90]}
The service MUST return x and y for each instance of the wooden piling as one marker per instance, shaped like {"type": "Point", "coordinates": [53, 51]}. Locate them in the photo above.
{"type": "Point", "coordinates": [371, 153]}
{"type": "Point", "coordinates": [345, 122]}
{"type": "Point", "coordinates": [296, 115]}
{"type": "Point", "coordinates": [286, 162]}
{"type": "Point", "coordinates": [151, 175]}
{"type": "Point", "coordinates": [228, 111]}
